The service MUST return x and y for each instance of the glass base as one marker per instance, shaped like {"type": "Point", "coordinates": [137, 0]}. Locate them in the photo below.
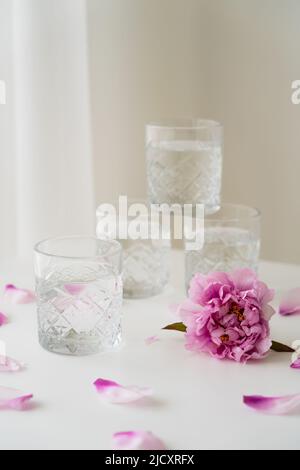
{"type": "Point", "coordinates": [83, 347]}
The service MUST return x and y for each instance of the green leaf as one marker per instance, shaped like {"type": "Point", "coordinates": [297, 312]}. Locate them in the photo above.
{"type": "Point", "coordinates": [176, 327]}
{"type": "Point", "coordinates": [279, 347]}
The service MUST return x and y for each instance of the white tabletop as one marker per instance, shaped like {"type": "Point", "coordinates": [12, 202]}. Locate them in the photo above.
{"type": "Point", "coordinates": [197, 401]}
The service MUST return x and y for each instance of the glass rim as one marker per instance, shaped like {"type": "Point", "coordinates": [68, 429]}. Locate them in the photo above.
{"type": "Point", "coordinates": [253, 213]}
{"type": "Point", "coordinates": [115, 246]}
{"type": "Point", "coordinates": [185, 124]}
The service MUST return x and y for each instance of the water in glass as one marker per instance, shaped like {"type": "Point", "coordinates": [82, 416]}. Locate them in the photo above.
{"type": "Point", "coordinates": [225, 249]}
{"type": "Point", "coordinates": [184, 172]}
{"type": "Point", "coordinates": [79, 309]}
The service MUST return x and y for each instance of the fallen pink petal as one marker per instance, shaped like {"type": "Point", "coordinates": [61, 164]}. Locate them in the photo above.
{"type": "Point", "coordinates": [16, 295]}
{"type": "Point", "coordinates": [296, 364]}
{"type": "Point", "coordinates": [273, 405]}
{"type": "Point", "coordinates": [136, 440]}
{"type": "Point", "coordinates": [13, 399]}
{"type": "Point", "coordinates": [290, 303]}
{"type": "Point", "coordinates": [75, 289]}
{"type": "Point", "coordinates": [113, 392]}
{"type": "Point", "coordinates": [151, 340]}
{"type": "Point", "coordinates": [8, 364]}
{"type": "Point", "coordinates": [3, 319]}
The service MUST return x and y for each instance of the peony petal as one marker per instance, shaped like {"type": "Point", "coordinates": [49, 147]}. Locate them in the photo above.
{"type": "Point", "coordinates": [187, 309]}
{"type": "Point", "coordinates": [290, 303]}
{"type": "Point", "coordinates": [219, 276]}
{"type": "Point", "coordinates": [268, 312]}
{"type": "Point", "coordinates": [296, 364]}
{"type": "Point", "coordinates": [115, 393]}
{"type": "Point", "coordinates": [296, 344]}
{"type": "Point", "coordinates": [264, 294]}
{"type": "Point", "coordinates": [75, 289]}
{"type": "Point", "coordinates": [136, 440]}
{"type": "Point", "coordinates": [243, 279]}
{"type": "Point", "coordinates": [3, 319]}
{"type": "Point", "coordinates": [10, 365]}
{"type": "Point", "coordinates": [13, 399]}
{"type": "Point", "coordinates": [18, 296]}
{"type": "Point", "coordinates": [273, 405]}
{"type": "Point", "coordinates": [151, 339]}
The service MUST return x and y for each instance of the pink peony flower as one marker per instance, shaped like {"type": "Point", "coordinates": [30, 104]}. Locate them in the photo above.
{"type": "Point", "coordinates": [227, 315]}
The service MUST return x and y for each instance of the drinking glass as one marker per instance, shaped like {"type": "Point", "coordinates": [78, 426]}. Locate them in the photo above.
{"type": "Point", "coordinates": [231, 241]}
{"type": "Point", "coordinates": [184, 162]}
{"type": "Point", "coordinates": [79, 294]}
{"type": "Point", "coordinates": [146, 261]}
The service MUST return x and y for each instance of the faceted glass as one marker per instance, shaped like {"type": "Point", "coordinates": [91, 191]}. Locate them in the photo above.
{"type": "Point", "coordinates": [231, 241]}
{"type": "Point", "coordinates": [79, 293]}
{"type": "Point", "coordinates": [184, 162]}
{"type": "Point", "coordinates": [146, 261]}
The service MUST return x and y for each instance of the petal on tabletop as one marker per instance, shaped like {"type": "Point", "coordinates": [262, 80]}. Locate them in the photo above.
{"type": "Point", "coordinates": [113, 392]}
{"type": "Point", "coordinates": [16, 295]}
{"type": "Point", "coordinates": [3, 319]}
{"type": "Point", "coordinates": [13, 399]}
{"type": "Point", "coordinates": [273, 405]}
{"type": "Point", "coordinates": [8, 364]}
{"type": "Point", "coordinates": [136, 440]}
{"type": "Point", "coordinates": [290, 303]}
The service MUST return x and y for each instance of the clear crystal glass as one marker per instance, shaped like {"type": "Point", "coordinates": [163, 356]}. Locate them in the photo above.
{"type": "Point", "coordinates": [146, 268]}
{"type": "Point", "coordinates": [79, 292]}
{"type": "Point", "coordinates": [231, 241]}
{"type": "Point", "coordinates": [184, 162]}
{"type": "Point", "coordinates": [146, 262]}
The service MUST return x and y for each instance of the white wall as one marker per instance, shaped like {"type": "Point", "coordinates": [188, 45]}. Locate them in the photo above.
{"type": "Point", "coordinates": [252, 58]}
{"type": "Point", "coordinates": [7, 166]}
{"type": "Point", "coordinates": [45, 147]}
{"type": "Point", "coordinates": [145, 64]}
{"type": "Point", "coordinates": [53, 152]}
{"type": "Point", "coordinates": [233, 60]}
